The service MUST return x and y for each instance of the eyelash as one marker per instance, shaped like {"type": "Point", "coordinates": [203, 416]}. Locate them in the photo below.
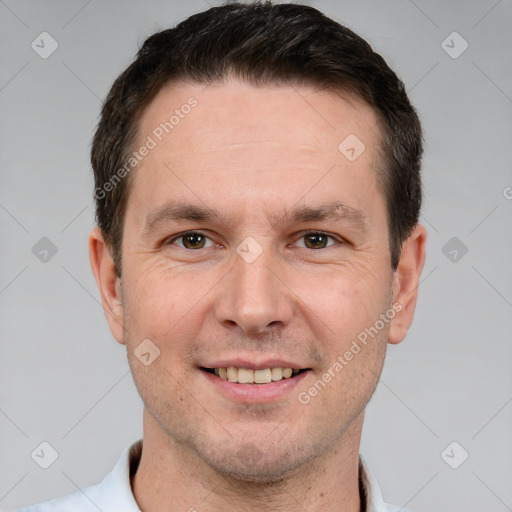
{"type": "Point", "coordinates": [170, 241]}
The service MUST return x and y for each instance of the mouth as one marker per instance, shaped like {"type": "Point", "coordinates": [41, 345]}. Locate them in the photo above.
{"type": "Point", "coordinates": [254, 376]}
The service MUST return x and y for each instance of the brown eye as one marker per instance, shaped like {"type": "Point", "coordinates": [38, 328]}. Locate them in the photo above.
{"type": "Point", "coordinates": [316, 240]}
{"type": "Point", "coordinates": [194, 241]}
{"type": "Point", "coordinates": [191, 240]}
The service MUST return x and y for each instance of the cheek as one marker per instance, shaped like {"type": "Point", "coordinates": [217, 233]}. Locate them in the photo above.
{"type": "Point", "coordinates": [157, 302]}
{"type": "Point", "coordinates": [345, 302]}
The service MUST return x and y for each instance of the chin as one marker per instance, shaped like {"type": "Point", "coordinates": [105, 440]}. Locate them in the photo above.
{"type": "Point", "coordinates": [251, 464]}
{"type": "Point", "coordinates": [264, 472]}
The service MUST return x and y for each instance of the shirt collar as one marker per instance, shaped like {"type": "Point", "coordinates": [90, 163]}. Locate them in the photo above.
{"type": "Point", "coordinates": [372, 495]}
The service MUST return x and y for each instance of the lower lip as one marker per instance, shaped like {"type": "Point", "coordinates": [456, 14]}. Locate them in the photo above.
{"type": "Point", "coordinates": [255, 393]}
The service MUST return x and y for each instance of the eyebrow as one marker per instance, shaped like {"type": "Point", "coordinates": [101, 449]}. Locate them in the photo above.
{"type": "Point", "coordinates": [179, 210]}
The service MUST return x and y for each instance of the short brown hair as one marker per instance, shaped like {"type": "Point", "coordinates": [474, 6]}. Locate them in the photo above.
{"type": "Point", "coordinates": [262, 44]}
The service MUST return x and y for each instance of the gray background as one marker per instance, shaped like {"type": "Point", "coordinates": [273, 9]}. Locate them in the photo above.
{"type": "Point", "coordinates": [64, 380]}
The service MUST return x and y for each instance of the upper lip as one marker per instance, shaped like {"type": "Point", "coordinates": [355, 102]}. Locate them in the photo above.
{"type": "Point", "coordinates": [253, 364]}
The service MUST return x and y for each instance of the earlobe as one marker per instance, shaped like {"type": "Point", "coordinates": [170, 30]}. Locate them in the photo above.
{"type": "Point", "coordinates": [109, 285]}
{"type": "Point", "coordinates": [406, 280]}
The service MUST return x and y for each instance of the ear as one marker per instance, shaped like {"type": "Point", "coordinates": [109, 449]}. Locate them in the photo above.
{"type": "Point", "coordinates": [406, 281]}
{"type": "Point", "coordinates": [109, 285]}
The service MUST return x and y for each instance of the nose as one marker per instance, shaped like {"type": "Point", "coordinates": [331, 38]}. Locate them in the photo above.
{"type": "Point", "coordinates": [254, 297]}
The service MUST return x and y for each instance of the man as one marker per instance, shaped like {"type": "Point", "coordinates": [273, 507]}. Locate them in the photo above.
{"type": "Point", "coordinates": [258, 189]}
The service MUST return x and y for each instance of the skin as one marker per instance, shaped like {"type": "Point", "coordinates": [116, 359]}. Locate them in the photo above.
{"type": "Point", "coordinates": [255, 153]}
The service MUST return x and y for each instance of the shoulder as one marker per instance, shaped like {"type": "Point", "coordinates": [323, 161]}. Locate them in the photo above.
{"type": "Point", "coordinates": [112, 494]}
{"type": "Point", "coordinates": [79, 501]}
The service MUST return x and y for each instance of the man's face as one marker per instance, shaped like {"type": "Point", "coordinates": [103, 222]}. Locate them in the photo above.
{"type": "Point", "coordinates": [256, 155]}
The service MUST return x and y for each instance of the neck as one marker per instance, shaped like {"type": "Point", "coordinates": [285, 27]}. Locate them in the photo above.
{"type": "Point", "coordinates": [171, 477]}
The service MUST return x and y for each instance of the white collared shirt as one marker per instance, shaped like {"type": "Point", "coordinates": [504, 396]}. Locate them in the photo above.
{"type": "Point", "coordinates": [114, 493]}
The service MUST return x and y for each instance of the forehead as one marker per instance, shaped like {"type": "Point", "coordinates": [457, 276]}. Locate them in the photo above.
{"type": "Point", "coordinates": [234, 142]}
{"type": "Point", "coordinates": [233, 112]}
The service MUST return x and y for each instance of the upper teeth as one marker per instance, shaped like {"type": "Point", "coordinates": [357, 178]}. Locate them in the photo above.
{"type": "Point", "coordinates": [248, 376]}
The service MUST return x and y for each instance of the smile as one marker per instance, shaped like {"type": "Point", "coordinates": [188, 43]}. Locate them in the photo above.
{"type": "Point", "coordinates": [253, 376]}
